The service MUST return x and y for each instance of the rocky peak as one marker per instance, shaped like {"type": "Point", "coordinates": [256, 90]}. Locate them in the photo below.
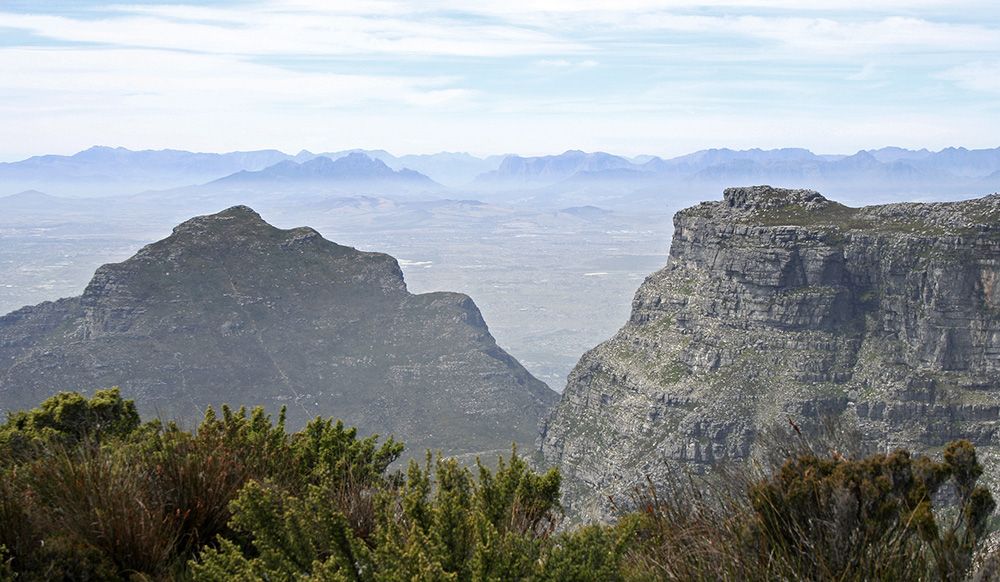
{"type": "Point", "coordinates": [234, 219]}
{"type": "Point", "coordinates": [237, 249]}
{"type": "Point", "coordinates": [767, 197]}
{"type": "Point", "coordinates": [241, 223]}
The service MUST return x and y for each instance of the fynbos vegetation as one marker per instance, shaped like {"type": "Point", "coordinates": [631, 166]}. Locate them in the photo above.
{"type": "Point", "coordinates": [88, 492]}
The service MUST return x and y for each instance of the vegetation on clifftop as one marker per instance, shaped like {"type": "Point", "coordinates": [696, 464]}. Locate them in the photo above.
{"type": "Point", "coordinates": [780, 207]}
{"type": "Point", "coordinates": [88, 492]}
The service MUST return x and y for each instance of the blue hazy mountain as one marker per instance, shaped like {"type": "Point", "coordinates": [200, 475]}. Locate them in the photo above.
{"type": "Point", "coordinates": [448, 168]}
{"type": "Point", "coordinates": [572, 178]}
{"type": "Point", "coordinates": [963, 162]}
{"type": "Point", "coordinates": [27, 199]}
{"type": "Point", "coordinates": [352, 169]}
{"type": "Point", "coordinates": [293, 184]}
{"type": "Point", "coordinates": [106, 171]}
{"type": "Point", "coordinates": [516, 171]}
{"type": "Point", "coordinates": [102, 171]}
{"type": "Point", "coordinates": [895, 154]}
{"type": "Point", "coordinates": [864, 177]}
{"type": "Point", "coordinates": [703, 159]}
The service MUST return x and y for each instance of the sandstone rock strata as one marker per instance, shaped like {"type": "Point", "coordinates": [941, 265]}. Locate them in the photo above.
{"type": "Point", "coordinates": [778, 303]}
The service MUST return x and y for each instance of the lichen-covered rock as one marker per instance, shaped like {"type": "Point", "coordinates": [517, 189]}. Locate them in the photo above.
{"type": "Point", "coordinates": [780, 303]}
{"type": "Point", "coordinates": [229, 309]}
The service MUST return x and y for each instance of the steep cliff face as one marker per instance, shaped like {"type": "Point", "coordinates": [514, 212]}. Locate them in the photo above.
{"type": "Point", "coordinates": [229, 309]}
{"type": "Point", "coordinates": [780, 303]}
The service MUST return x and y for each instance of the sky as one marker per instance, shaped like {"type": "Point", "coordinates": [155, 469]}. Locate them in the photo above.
{"type": "Point", "coordinates": [528, 76]}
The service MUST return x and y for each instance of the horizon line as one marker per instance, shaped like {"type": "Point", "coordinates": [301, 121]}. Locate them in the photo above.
{"type": "Point", "coordinates": [367, 151]}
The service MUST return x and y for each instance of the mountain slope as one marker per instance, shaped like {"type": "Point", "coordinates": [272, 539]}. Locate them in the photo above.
{"type": "Point", "coordinates": [780, 304]}
{"type": "Point", "coordinates": [229, 309]}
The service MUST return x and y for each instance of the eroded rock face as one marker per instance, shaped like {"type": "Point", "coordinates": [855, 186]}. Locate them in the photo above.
{"type": "Point", "coordinates": [229, 309]}
{"type": "Point", "coordinates": [780, 303]}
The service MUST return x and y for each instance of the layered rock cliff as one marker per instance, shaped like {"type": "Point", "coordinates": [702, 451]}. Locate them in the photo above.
{"type": "Point", "coordinates": [780, 303]}
{"type": "Point", "coordinates": [229, 309]}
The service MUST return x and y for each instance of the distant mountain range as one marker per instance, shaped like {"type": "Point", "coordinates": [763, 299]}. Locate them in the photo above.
{"type": "Point", "coordinates": [886, 174]}
{"type": "Point", "coordinates": [716, 164]}
{"type": "Point", "coordinates": [517, 171]}
{"type": "Point", "coordinates": [104, 171]}
{"type": "Point", "coordinates": [355, 169]}
{"type": "Point", "coordinates": [569, 179]}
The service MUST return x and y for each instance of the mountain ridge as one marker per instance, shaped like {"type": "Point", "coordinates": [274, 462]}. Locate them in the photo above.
{"type": "Point", "coordinates": [354, 167]}
{"type": "Point", "coordinates": [231, 309]}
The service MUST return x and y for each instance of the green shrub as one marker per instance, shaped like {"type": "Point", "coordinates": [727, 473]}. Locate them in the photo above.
{"type": "Point", "coordinates": [439, 523]}
{"type": "Point", "coordinates": [66, 419]}
{"type": "Point", "coordinates": [92, 494]}
{"type": "Point", "coordinates": [592, 552]}
{"type": "Point", "coordinates": [292, 538]}
{"type": "Point", "coordinates": [104, 498]}
{"type": "Point", "coordinates": [823, 518]}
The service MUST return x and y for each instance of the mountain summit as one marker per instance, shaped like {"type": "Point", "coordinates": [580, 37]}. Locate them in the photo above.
{"type": "Point", "coordinates": [229, 309]}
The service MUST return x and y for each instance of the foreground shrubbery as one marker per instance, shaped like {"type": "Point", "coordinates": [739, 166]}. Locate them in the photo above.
{"type": "Point", "coordinates": [88, 492]}
{"type": "Point", "coordinates": [823, 519]}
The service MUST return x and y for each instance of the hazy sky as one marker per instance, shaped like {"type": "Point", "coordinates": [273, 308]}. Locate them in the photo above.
{"type": "Point", "coordinates": [531, 76]}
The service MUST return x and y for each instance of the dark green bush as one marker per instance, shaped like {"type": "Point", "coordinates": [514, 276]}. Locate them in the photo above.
{"type": "Point", "coordinates": [438, 523]}
{"type": "Point", "coordinates": [66, 419]}
{"type": "Point", "coordinates": [874, 518]}
{"type": "Point", "coordinates": [883, 517]}
{"type": "Point", "coordinates": [90, 493]}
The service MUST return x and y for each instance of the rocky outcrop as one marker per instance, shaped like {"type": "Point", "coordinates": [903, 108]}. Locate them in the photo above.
{"type": "Point", "coordinates": [780, 303]}
{"type": "Point", "coordinates": [229, 309]}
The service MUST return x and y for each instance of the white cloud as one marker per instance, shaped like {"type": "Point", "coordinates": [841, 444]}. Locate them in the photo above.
{"type": "Point", "coordinates": [868, 72]}
{"type": "Point", "coordinates": [567, 64]}
{"type": "Point", "coordinates": [524, 8]}
{"type": "Point", "coordinates": [827, 37]}
{"type": "Point", "coordinates": [142, 78]}
{"type": "Point", "coordinates": [481, 28]}
{"type": "Point", "coordinates": [268, 31]}
{"type": "Point", "coordinates": [977, 76]}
